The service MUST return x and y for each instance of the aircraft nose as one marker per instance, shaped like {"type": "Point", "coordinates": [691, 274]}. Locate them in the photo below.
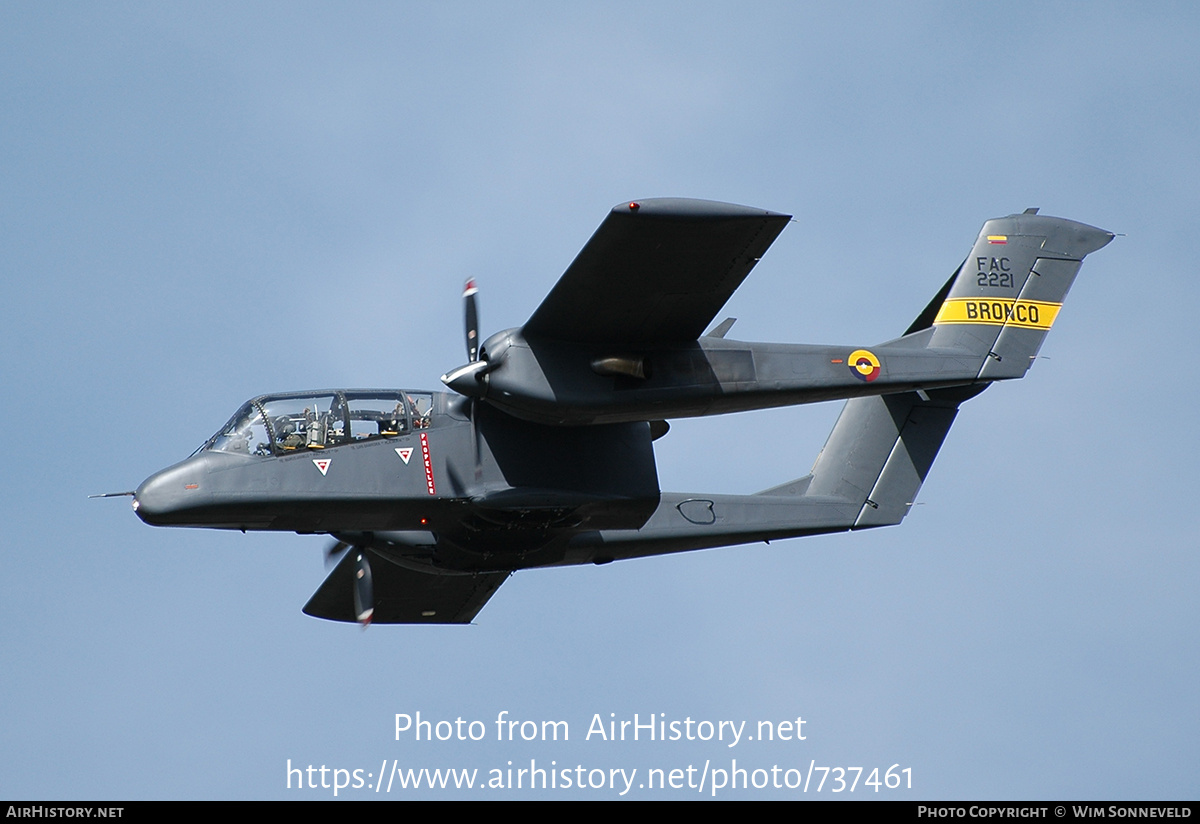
{"type": "Point", "coordinates": [166, 497]}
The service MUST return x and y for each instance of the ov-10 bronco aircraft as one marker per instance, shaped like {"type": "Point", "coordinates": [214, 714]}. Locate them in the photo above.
{"type": "Point", "coordinates": [543, 454]}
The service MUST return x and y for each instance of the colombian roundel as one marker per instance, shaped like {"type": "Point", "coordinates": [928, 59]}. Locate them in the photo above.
{"type": "Point", "coordinates": [864, 365]}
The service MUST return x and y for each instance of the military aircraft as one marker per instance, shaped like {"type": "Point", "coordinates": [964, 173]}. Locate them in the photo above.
{"type": "Point", "coordinates": [543, 455]}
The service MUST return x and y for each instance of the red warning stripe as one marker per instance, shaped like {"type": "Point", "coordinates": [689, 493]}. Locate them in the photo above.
{"type": "Point", "coordinates": [429, 487]}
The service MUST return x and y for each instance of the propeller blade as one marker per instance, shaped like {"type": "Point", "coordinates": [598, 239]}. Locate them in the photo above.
{"type": "Point", "coordinates": [468, 380]}
{"type": "Point", "coordinates": [364, 590]}
{"type": "Point", "coordinates": [471, 378]}
{"type": "Point", "coordinates": [475, 439]}
{"type": "Point", "coordinates": [471, 320]}
{"type": "Point", "coordinates": [334, 554]}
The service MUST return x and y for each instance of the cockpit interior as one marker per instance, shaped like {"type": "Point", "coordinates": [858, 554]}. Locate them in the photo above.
{"type": "Point", "coordinates": [274, 425]}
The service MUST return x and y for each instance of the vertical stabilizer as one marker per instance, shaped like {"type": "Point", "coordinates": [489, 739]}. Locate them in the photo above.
{"type": "Point", "coordinates": [1008, 292]}
{"type": "Point", "coordinates": [882, 448]}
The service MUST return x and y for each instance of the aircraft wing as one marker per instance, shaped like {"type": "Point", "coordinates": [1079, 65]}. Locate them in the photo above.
{"type": "Point", "coordinates": [655, 272]}
{"type": "Point", "coordinates": [405, 596]}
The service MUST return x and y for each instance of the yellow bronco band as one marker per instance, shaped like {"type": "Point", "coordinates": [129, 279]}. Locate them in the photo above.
{"type": "Point", "coordinates": [1028, 314]}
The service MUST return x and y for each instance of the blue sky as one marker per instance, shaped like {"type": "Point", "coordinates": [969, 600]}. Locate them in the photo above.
{"type": "Point", "coordinates": [201, 203]}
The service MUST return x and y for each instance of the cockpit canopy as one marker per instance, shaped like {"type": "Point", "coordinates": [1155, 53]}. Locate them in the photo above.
{"type": "Point", "coordinates": [273, 425]}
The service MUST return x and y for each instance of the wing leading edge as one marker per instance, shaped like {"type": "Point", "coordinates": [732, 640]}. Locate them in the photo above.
{"type": "Point", "coordinates": [655, 272]}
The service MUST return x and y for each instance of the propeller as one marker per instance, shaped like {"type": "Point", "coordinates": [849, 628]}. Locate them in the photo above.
{"type": "Point", "coordinates": [468, 380]}
{"type": "Point", "coordinates": [364, 589]}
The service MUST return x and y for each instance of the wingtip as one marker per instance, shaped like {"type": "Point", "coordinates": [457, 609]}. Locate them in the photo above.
{"type": "Point", "coordinates": [685, 207]}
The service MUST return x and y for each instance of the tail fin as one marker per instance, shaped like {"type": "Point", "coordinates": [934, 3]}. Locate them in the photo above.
{"type": "Point", "coordinates": [997, 306]}
{"type": "Point", "coordinates": [1007, 294]}
{"type": "Point", "coordinates": [881, 450]}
